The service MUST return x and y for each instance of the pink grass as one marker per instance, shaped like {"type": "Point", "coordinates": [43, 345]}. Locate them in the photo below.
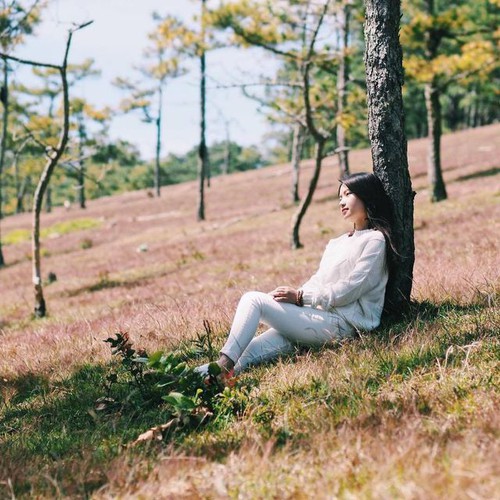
{"type": "Point", "coordinates": [194, 271]}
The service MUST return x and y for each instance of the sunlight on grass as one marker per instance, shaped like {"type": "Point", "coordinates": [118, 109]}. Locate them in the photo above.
{"type": "Point", "coordinates": [60, 228]}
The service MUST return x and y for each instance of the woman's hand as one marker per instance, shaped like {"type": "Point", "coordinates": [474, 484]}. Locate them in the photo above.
{"type": "Point", "coordinates": [285, 294]}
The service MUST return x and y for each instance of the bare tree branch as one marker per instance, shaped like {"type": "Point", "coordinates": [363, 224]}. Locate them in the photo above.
{"type": "Point", "coordinates": [28, 61]}
{"type": "Point", "coordinates": [319, 135]}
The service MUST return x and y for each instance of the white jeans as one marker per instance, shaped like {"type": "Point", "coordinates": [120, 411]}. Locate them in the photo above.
{"type": "Point", "coordinates": [290, 325]}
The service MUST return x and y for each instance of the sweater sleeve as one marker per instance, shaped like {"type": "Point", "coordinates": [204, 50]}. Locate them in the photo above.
{"type": "Point", "coordinates": [367, 272]}
{"type": "Point", "coordinates": [312, 283]}
{"type": "Point", "coordinates": [315, 281]}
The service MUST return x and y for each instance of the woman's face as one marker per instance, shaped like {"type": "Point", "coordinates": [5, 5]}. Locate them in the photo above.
{"type": "Point", "coordinates": [352, 208]}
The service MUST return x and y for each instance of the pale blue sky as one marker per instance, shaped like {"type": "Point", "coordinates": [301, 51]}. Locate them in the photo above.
{"type": "Point", "coordinates": [116, 40]}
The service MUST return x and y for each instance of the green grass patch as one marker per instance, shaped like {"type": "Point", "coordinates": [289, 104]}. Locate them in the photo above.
{"type": "Point", "coordinates": [60, 228]}
{"type": "Point", "coordinates": [54, 426]}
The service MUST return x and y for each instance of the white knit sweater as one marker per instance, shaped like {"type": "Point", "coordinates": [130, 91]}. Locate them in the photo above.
{"type": "Point", "coordinates": [351, 279]}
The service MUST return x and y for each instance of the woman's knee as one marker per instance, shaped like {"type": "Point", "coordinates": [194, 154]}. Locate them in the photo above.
{"type": "Point", "coordinates": [253, 297]}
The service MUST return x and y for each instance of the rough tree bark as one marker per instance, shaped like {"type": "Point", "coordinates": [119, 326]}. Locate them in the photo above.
{"type": "Point", "coordinates": [384, 79]}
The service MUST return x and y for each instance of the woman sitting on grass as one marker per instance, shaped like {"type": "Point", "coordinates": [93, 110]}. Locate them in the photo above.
{"type": "Point", "coordinates": [345, 295]}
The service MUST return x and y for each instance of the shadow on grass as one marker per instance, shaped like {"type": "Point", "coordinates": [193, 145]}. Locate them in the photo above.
{"type": "Point", "coordinates": [3, 324]}
{"type": "Point", "coordinates": [484, 173]}
{"type": "Point", "coordinates": [427, 311]}
{"type": "Point", "coordinates": [444, 318]}
{"type": "Point", "coordinates": [54, 443]}
{"type": "Point", "coordinates": [104, 284]}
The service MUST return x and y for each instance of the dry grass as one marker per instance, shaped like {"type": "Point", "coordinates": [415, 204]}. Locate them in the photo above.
{"type": "Point", "coordinates": [426, 433]}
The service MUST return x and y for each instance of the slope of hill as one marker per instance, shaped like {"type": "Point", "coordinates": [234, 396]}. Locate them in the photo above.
{"type": "Point", "coordinates": [411, 412]}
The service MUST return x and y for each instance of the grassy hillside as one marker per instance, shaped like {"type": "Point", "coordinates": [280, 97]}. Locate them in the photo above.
{"type": "Point", "coordinates": [410, 411]}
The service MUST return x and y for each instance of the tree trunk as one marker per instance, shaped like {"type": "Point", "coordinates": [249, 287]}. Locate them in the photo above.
{"type": "Point", "coordinates": [3, 145]}
{"type": "Point", "coordinates": [48, 200]}
{"type": "Point", "coordinates": [81, 164]}
{"type": "Point", "coordinates": [226, 165]}
{"type": "Point", "coordinates": [157, 175]}
{"type": "Point", "coordinates": [81, 185]}
{"type": "Point", "coordinates": [319, 136]}
{"type": "Point", "coordinates": [53, 158]}
{"type": "Point", "coordinates": [433, 38]}
{"type": "Point", "coordinates": [297, 143]}
{"type": "Point", "coordinates": [342, 79]}
{"type": "Point", "coordinates": [202, 150]}
{"type": "Point", "coordinates": [476, 103]}
{"type": "Point", "coordinates": [21, 192]}
{"type": "Point", "coordinates": [434, 172]}
{"type": "Point", "coordinates": [301, 211]}
{"type": "Point", "coordinates": [43, 183]}
{"type": "Point", "coordinates": [384, 79]}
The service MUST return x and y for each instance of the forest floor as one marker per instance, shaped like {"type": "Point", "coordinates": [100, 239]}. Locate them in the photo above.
{"type": "Point", "coordinates": [408, 411]}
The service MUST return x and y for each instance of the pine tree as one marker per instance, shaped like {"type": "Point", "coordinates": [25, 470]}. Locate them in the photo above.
{"type": "Point", "coordinates": [384, 79]}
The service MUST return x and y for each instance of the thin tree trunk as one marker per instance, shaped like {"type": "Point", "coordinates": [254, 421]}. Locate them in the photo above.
{"type": "Point", "coordinates": [384, 79]}
{"type": "Point", "coordinates": [48, 200]}
{"type": "Point", "coordinates": [3, 145]}
{"type": "Point", "coordinates": [437, 188]}
{"type": "Point", "coordinates": [157, 175]}
{"type": "Point", "coordinates": [202, 150]}
{"type": "Point", "coordinates": [226, 165]}
{"type": "Point", "coordinates": [81, 165]}
{"type": "Point", "coordinates": [43, 183]}
{"type": "Point", "coordinates": [301, 211]}
{"type": "Point", "coordinates": [53, 158]}
{"type": "Point", "coordinates": [434, 172]}
{"type": "Point", "coordinates": [21, 193]}
{"type": "Point", "coordinates": [81, 185]}
{"type": "Point", "coordinates": [21, 186]}
{"type": "Point", "coordinates": [40, 305]}
{"type": "Point", "coordinates": [319, 136]}
{"type": "Point", "coordinates": [297, 143]}
{"type": "Point", "coordinates": [476, 105]}
{"type": "Point", "coordinates": [342, 79]}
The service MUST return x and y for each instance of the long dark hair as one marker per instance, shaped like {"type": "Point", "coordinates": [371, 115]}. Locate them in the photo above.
{"type": "Point", "coordinates": [370, 190]}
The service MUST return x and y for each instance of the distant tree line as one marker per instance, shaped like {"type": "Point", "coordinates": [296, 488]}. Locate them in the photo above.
{"type": "Point", "coordinates": [117, 167]}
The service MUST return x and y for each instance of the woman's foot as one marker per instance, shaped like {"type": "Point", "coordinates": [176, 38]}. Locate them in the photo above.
{"type": "Point", "coordinates": [221, 370]}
